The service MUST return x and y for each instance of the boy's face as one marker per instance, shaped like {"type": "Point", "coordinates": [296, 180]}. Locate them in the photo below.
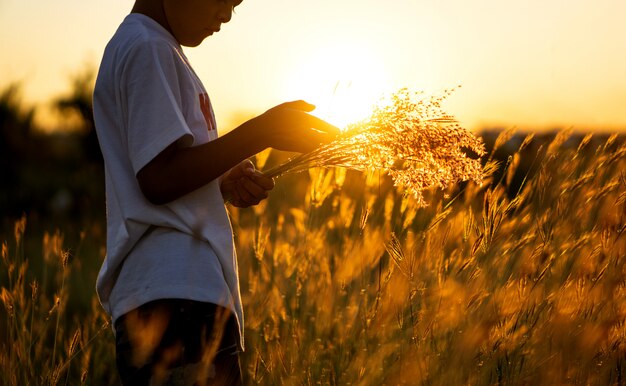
{"type": "Point", "coordinates": [191, 21]}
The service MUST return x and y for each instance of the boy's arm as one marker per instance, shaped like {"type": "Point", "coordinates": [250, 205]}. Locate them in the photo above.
{"type": "Point", "coordinates": [177, 171]}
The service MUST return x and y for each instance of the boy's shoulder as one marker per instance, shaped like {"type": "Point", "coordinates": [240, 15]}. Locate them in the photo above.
{"type": "Point", "coordinates": [139, 39]}
{"type": "Point", "coordinates": [140, 30]}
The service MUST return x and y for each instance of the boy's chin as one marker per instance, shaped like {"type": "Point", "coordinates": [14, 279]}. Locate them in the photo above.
{"type": "Point", "coordinates": [193, 42]}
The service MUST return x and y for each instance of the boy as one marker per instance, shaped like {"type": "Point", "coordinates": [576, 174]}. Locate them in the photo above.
{"type": "Point", "coordinates": [169, 280]}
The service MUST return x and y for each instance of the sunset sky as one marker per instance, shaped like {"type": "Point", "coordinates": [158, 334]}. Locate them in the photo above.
{"type": "Point", "coordinates": [530, 64]}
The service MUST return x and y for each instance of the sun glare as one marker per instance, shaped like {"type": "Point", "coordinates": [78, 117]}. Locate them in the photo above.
{"type": "Point", "coordinates": [350, 102]}
{"type": "Point", "coordinates": [344, 81]}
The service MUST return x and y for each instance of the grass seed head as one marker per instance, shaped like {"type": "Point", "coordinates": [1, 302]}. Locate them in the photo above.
{"type": "Point", "coordinates": [411, 139]}
{"type": "Point", "coordinates": [7, 300]}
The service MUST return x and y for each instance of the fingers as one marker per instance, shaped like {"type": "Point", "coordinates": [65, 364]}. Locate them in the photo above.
{"type": "Point", "coordinates": [240, 170]}
{"type": "Point", "coordinates": [308, 141]}
{"type": "Point", "coordinates": [290, 127]}
{"type": "Point", "coordinates": [312, 121]}
{"type": "Point", "coordinates": [246, 186]}
{"type": "Point", "coordinates": [249, 193]}
{"type": "Point", "coordinates": [322, 125]}
{"type": "Point", "coordinates": [257, 178]}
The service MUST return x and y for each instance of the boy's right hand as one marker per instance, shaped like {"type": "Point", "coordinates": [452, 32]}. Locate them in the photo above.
{"type": "Point", "coordinates": [290, 127]}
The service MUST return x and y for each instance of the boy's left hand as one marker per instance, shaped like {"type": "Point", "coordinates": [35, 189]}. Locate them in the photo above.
{"type": "Point", "coordinates": [243, 186]}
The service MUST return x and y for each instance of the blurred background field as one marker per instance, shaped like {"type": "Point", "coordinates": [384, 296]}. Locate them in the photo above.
{"type": "Point", "coordinates": [519, 281]}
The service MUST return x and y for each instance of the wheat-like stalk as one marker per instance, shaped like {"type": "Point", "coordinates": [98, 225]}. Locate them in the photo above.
{"type": "Point", "coordinates": [410, 138]}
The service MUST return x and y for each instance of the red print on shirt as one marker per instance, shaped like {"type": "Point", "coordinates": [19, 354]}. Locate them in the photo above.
{"type": "Point", "coordinates": [206, 110]}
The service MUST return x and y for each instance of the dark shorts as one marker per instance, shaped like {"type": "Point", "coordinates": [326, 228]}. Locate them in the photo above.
{"type": "Point", "coordinates": [178, 342]}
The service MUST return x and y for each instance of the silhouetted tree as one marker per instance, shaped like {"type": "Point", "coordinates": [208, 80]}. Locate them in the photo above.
{"type": "Point", "coordinates": [58, 174]}
{"type": "Point", "coordinates": [80, 101]}
{"type": "Point", "coordinates": [15, 129]}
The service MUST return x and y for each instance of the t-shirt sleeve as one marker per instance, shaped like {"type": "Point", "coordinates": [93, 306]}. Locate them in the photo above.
{"type": "Point", "coordinates": [153, 91]}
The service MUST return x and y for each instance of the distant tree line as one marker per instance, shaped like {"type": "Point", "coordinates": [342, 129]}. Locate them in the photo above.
{"type": "Point", "coordinates": [57, 174]}
{"type": "Point", "coordinates": [535, 146]}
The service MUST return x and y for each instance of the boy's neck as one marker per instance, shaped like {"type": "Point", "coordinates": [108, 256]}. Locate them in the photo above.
{"type": "Point", "coordinates": [154, 10]}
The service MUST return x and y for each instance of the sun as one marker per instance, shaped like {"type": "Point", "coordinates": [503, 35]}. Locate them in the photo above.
{"type": "Point", "coordinates": [351, 101]}
{"type": "Point", "coordinates": [343, 80]}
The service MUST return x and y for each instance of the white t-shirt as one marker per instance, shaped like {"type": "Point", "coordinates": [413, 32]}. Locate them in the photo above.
{"type": "Point", "coordinates": [146, 98]}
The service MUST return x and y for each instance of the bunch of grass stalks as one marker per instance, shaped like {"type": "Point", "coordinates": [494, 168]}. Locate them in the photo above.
{"type": "Point", "coordinates": [410, 137]}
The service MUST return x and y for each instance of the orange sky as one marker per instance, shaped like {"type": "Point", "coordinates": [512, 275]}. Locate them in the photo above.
{"type": "Point", "coordinates": [531, 64]}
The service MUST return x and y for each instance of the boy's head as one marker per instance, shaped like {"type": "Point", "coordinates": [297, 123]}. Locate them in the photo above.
{"type": "Point", "coordinates": [190, 21]}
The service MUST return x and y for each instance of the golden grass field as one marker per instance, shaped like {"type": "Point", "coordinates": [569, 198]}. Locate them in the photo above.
{"type": "Point", "coordinates": [346, 282]}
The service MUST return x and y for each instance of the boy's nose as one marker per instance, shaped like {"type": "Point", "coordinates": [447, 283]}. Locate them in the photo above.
{"type": "Point", "coordinates": [225, 14]}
